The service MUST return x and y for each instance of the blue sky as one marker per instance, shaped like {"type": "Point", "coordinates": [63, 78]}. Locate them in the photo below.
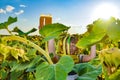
{"type": "Point", "coordinates": [74, 13]}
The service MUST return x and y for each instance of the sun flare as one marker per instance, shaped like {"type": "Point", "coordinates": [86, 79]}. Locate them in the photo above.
{"type": "Point", "coordinates": [105, 11]}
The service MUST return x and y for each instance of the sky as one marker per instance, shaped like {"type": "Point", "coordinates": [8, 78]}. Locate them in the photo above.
{"type": "Point", "coordinates": [74, 13]}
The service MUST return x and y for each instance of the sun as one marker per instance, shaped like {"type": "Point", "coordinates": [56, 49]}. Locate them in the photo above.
{"type": "Point", "coordinates": [105, 11]}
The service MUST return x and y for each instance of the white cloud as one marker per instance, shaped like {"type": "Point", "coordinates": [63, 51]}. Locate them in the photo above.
{"type": "Point", "coordinates": [2, 11]}
{"type": "Point", "coordinates": [9, 8]}
{"type": "Point", "coordinates": [22, 5]}
{"type": "Point", "coordinates": [57, 19]}
{"type": "Point", "coordinates": [19, 12]}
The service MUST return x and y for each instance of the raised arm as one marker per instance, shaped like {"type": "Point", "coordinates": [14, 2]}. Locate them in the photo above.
{"type": "Point", "coordinates": [86, 58]}
{"type": "Point", "coordinates": [51, 46]}
{"type": "Point", "coordinates": [51, 49]}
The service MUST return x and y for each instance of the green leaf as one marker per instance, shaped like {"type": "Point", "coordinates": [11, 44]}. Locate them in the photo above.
{"type": "Point", "coordinates": [15, 75]}
{"type": "Point", "coordinates": [31, 31]}
{"type": "Point", "coordinates": [34, 61]}
{"type": "Point", "coordinates": [68, 40]}
{"type": "Point", "coordinates": [3, 74]}
{"type": "Point", "coordinates": [91, 39]}
{"type": "Point", "coordinates": [20, 66]}
{"type": "Point", "coordinates": [20, 32]}
{"type": "Point", "coordinates": [57, 71]}
{"type": "Point", "coordinates": [15, 53]}
{"type": "Point", "coordinates": [3, 26]}
{"type": "Point", "coordinates": [4, 63]}
{"type": "Point", "coordinates": [31, 53]}
{"type": "Point", "coordinates": [7, 23]}
{"type": "Point", "coordinates": [42, 72]}
{"type": "Point", "coordinates": [52, 30]}
{"type": "Point", "coordinates": [114, 31]}
{"type": "Point", "coordinates": [23, 66]}
{"type": "Point", "coordinates": [90, 27]}
{"type": "Point", "coordinates": [50, 72]}
{"type": "Point", "coordinates": [87, 71]}
{"type": "Point", "coordinates": [4, 50]}
{"type": "Point", "coordinates": [85, 78]}
{"type": "Point", "coordinates": [66, 61]}
{"type": "Point", "coordinates": [97, 31]}
{"type": "Point", "coordinates": [102, 28]}
{"type": "Point", "coordinates": [11, 20]}
{"type": "Point", "coordinates": [115, 75]}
